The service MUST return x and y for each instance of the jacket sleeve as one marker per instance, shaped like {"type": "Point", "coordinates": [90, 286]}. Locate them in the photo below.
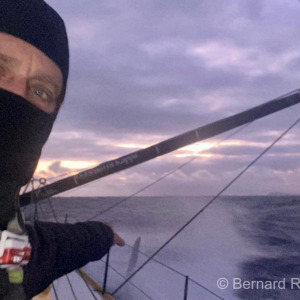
{"type": "Point", "coordinates": [58, 249]}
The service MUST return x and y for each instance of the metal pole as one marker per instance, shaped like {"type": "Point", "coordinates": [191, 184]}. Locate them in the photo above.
{"type": "Point", "coordinates": [186, 287]}
{"type": "Point", "coordinates": [106, 273]}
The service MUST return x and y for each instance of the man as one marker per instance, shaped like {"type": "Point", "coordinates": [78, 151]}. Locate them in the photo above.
{"type": "Point", "coordinates": [34, 65]}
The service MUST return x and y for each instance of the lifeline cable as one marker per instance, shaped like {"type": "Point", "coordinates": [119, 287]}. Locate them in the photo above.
{"type": "Point", "coordinates": [71, 286]}
{"type": "Point", "coordinates": [177, 272]}
{"type": "Point", "coordinates": [55, 292]}
{"type": "Point", "coordinates": [135, 286]}
{"type": "Point", "coordinates": [91, 291]}
{"type": "Point", "coordinates": [208, 204]}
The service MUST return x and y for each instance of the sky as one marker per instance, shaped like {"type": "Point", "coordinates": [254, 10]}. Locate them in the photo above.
{"type": "Point", "coordinates": [143, 71]}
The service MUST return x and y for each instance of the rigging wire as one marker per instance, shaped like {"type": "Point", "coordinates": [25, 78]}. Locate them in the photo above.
{"type": "Point", "coordinates": [208, 204]}
{"type": "Point", "coordinates": [157, 261]}
{"type": "Point", "coordinates": [146, 255]}
{"type": "Point", "coordinates": [167, 174]}
{"type": "Point", "coordinates": [36, 213]}
{"type": "Point", "coordinates": [25, 190]}
{"type": "Point", "coordinates": [176, 271]}
{"type": "Point", "coordinates": [31, 182]}
{"type": "Point", "coordinates": [52, 209]}
{"type": "Point", "coordinates": [42, 210]}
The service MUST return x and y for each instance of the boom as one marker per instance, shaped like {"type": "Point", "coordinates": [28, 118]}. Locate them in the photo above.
{"type": "Point", "coordinates": [164, 147]}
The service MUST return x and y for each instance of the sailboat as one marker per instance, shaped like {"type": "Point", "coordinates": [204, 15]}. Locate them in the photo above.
{"type": "Point", "coordinates": [133, 159]}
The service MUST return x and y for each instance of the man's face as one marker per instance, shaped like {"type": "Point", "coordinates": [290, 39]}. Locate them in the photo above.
{"type": "Point", "coordinates": [29, 73]}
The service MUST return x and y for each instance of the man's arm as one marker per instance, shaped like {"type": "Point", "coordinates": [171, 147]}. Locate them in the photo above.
{"type": "Point", "coordinates": [58, 249]}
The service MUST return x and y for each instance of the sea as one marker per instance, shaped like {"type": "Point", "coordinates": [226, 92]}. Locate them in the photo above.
{"type": "Point", "coordinates": [239, 247]}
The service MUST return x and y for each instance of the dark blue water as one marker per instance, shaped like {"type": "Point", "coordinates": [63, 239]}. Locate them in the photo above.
{"type": "Point", "coordinates": [252, 239]}
{"type": "Point", "coordinates": [272, 225]}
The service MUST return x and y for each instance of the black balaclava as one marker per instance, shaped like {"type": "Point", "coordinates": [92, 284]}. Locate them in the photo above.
{"type": "Point", "coordinates": [24, 128]}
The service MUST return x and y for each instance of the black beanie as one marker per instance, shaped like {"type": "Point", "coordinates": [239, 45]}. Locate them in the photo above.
{"type": "Point", "coordinates": [35, 22]}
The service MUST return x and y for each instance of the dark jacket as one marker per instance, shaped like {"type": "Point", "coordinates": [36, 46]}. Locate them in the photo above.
{"type": "Point", "coordinates": [58, 249]}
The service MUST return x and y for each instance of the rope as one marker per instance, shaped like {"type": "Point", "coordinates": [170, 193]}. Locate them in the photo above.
{"type": "Point", "coordinates": [166, 175]}
{"type": "Point", "coordinates": [207, 205]}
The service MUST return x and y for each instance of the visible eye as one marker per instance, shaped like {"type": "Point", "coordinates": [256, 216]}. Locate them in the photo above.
{"type": "Point", "coordinates": [41, 97]}
{"type": "Point", "coordinates": [42, 93]}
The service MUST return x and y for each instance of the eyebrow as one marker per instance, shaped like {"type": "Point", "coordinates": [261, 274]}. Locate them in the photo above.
{"type": "Point", "coordinates": [46, 79]}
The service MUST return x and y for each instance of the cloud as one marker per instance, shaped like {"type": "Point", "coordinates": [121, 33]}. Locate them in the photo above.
{"type": "Point", "coordinates": [143, 71]}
